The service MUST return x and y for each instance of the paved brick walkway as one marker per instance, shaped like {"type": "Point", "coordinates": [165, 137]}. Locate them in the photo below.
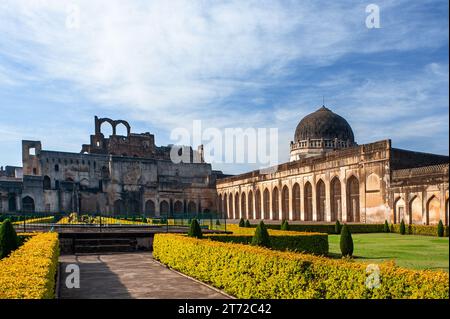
{"type": "Point", "coordinates": [133, 275]}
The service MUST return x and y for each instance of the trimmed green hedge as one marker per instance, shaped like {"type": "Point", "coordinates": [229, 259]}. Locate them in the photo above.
{"type": "Point", "coordinates": [331, 228]}
{"type": "Point", "coordinates": [308, 243]}
{"type": "Point", "coordinates": [423, 230]}
{"type": "Point", "coordinates": [246, 271]}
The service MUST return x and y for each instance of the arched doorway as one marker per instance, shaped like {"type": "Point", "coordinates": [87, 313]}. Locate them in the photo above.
{"type": "Point", "coordinates": [192, 207]}
{"type": "Point", "coordinates": [275, 204]}
{"type": "Point", "coordinates": [308, 201]}
{"type": "Point", "coordinates": [251, 212]}
{"type": "Point", "coordinates": [230, 207]}
{"type": "Point", "coordinates": [164, 208]}
{"type": "Point", "coordinates": [415, 211]}
{"type": "Point", "coordinates": [236, 206]}
{"type": "Point", "coordinates": [178, 207]}
{"type": "Point", "coordinates": [336, 206]}
{"type": "Point", "coordinates": [285, 203]}
{"type": "Point", "coordinates": [28, 204]}
{"type": "Point", "coordinates": [12, 206]}
{"type": "Point", "coordinates": [433, 211]}
{"type": "Point", "coordinates": [225, 206]}
{"type": "Point", "coordinates": [47, 184]}
{"type": "Point", "coordinates": [353, 199]}
{"type": "Point", "coordinates": [320, 200]}
{"type": "Point", "coordinates": [266, 206]}
{"type": "Point", "coordinates": [296, 202]}
{"type": "Point", "coordinates": [150, 208]}
{"type": "Point", "coordinates": [258, 204]}
{"type": "Point", "coordinates": [243, 206]}
{"type": "Point", "coordinates": [400, 210]}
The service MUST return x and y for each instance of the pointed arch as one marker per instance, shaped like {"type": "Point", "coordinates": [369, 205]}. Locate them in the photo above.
{"type": "Point", "coordinates": [225, 206]}
{"type": "Point", "coordinates": [236, 206]}
{"type": "Point", "coordinates": [258, 204]}
{"type": "Point", "coordinates": [353, 200]}
{"type": "Point", "coordinates": [266, 200]}
{"type": "Point", "coordinates": [285, 203]}
{"type": "Point", "coordinates": [336, 202]}
{"type": "Point", "coordinates": [296, 201]}
{"type": "Point", "coordinates": [433, 210]}
{"type": "Point", "coordinates": [250, 213]}
{"type": "Point", "coordinates": [28, 204]}
{"type": "Point", "coordinates": [164, 208]}
{"type": "Point", "coordinates": [192, 207]}
{"type": "Point", "coordinates": [415, 211]}
{"type": "Point", "coordinates": [230, 206]}
{"type": "Point", "coordinates": [320, 200]}
{"type": "Point", "coordinates": [275, 204]}
{"type": "Point", "coordinates": [150, 208]}
{"type": "Point", "coordinates": [178, 207]}
{"type": "Point", "coordinates": [308, 201]}
{"type": "Point", "coordinates": [243, 205]}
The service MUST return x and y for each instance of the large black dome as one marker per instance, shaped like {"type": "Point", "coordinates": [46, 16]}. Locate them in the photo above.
{"type": "Point", "coordinates": [323, 123]}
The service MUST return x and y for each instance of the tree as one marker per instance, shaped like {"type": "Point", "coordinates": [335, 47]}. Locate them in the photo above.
{"type": "Point", "coordinates": [247, 224]}
{"type": "Point", "coordinates": [261, 236]}
{"type": "Point", "coordinates": [440, 229]}
{"type": "Point", "coordinates": [386, 227]}
{"type": "Point", "coordinates": [8, 238]}
{"type": "Point", "coordinates": [242, 223]}
{"type": "Point", "coordinates": [195, 230]}
{"type": "Point", "coordinates": [402, 227]}
{"type": "Point", "coordinates": [284, 225]}
{"type": "Point", "coordinates": [337, 227]}
{"type": "Point", "coordinates": [346, 242]}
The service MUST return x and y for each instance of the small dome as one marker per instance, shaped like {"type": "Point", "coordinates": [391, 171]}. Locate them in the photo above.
{"type": "Point", "coordinates": [323, 123]}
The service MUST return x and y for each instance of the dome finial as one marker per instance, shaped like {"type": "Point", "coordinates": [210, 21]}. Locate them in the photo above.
{"type": "Point", "coordinates": [323, 100]}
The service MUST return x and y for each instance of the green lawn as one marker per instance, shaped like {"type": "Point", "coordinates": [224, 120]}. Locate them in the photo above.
{"type": "Point", "coordinates": [416, 252]}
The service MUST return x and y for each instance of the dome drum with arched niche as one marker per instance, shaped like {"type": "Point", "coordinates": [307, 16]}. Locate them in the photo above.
{"type": "Point", "coordinates": [319, 132]}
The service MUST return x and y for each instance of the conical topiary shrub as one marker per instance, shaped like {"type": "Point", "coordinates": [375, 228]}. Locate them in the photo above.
{"type": "Point", "coordinates": [346, 242]}
{"type": "Point", "coordinates": [402, 227]}
{"type": "Point", "coordinates": [261, 237]}
{"type": "Point", "coordinates": [217, 222]}
{"type": "Point", "coordinates": [241, 222]}
{"type": "Point", "coordinates": [195, 230]}
{"type": "Point", "coordinates": [284, 225]}
{"type": "Point", "coordinates": [8, 238]}
{"type": "Point", "coordinates": [247, 224]}
{"type": "Point", "coordinates": [337, 227]}
{"type": "Point", "coordinates": [440, 229]}
{"type": "Point", "coordinates": [386, 227]}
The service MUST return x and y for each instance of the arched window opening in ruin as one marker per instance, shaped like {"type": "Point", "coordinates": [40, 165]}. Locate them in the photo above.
{"type": "Point", "coordinates": [192, 207]}
{"type": "Point", "coordinates": [178, 207]}
{"type": "Point", "coordinates": [105, 172]}
{"type": "Point", "coordinates": [308, 201]}
{"type": "Point", "coordinates": [28, 204]}
{"type": "Point", "coordinates": [121, 129]}
{"type": "Point", "coordinates": [296, 201]}
{"type": "Point", "coordinates": [243, 206]}
{"type": "Point", "coordinates": [275, 204]}
{"type": "Point", "coordinates": [250, 213]}
{"type": "Point", "coordinates": [320, 198]}
{"type": "Point", "coordinates": [285, 203]}
{"type": "Point", "coordinates": [236, 206]}
{"type": "Point", "coordinates": [150, 208]}
{"type": "Point", "coordinates": [164, 208]}
{"type": "Point", "coordinates": [266, 206]}
{"type": "Point", "coordinates": [56, 168]}
{"type": "Point", "coordinates": [47, 183]}
{"type": "Point", "coordinates": [258, 204]}
{"type": "Point", "coordinates": [106, 128]}
{"type": "Point", "coordinates": [336, 202]}
{"type": "Point", "coordinates": [353, 200]}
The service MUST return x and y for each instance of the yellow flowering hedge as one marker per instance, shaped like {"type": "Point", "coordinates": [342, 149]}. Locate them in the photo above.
{"type": "Point", "coordinates": [246, 271]}
{"type": "Point", "coordinates": [315, 243]}
{"type": "Point", "coordinates": [29, 272]}
{"type": "Point", "coordinates": [36, 220]}
{"type": "Point", "coordinates": [423, 230]}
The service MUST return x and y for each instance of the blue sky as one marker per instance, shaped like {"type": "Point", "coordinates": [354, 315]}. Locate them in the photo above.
{"type": "Point", "coordinates": [162, 64]}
